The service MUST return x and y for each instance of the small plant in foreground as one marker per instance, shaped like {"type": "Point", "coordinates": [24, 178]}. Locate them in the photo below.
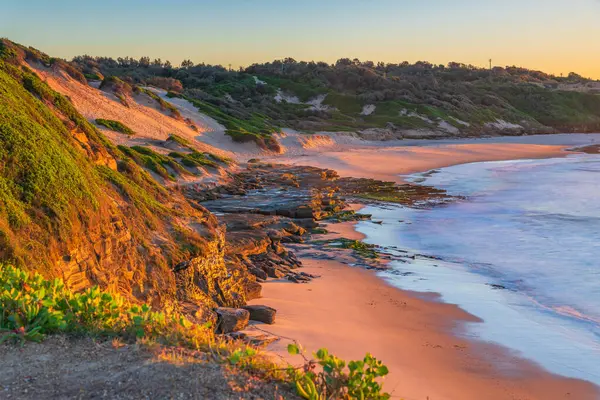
{"type": "Point", "coordinates": [31, 307]}
{"type": "Point", "coordinates": [336, 380]}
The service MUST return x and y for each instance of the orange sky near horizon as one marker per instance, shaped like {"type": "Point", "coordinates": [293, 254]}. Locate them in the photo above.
{"type": "Point", "coordinates": [554, 36]}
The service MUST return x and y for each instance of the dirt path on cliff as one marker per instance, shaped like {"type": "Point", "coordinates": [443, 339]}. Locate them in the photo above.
{"type": "Point", "coordinates": [66, 368]}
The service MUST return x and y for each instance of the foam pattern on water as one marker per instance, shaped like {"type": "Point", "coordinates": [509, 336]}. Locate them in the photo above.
{"type": "Point", "coordinates": [522, 252]}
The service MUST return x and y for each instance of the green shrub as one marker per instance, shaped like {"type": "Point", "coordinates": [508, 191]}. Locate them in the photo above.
{"type": "Point", "coordinates": [115, 126]}
{"type": "Point", "coordinates": [195, 159]}
{"type": "Point", "coordinates": [164, 105]}
{"type": "Point", "coordinates": [158, 163]}
{"type": "Point", "coordinates": [179, 140]}
{"type": "Point", "coordinates": [338, 380]}
{"type": "Point", "coordinates": [32, 307]}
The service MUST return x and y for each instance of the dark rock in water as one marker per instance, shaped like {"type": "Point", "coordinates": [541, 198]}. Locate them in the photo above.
{"type": "Point", "coordinates": [496, 286]}
{"type": "Point", "coordinates": [304, 212]}
{"type": "Point", "coordinates": [260, 313]}
{"type": "Point", "coordinates": [307, 223]}
{"type": "Point", "coordinates": [231, 319]}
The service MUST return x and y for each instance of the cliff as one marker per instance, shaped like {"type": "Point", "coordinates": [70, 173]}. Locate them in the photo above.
{"type": "Point", "coordinates": [74, 206]}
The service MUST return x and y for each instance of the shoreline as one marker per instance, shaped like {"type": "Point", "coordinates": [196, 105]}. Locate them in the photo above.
{"type": "Point", "coordinates": [391, 163]}
{"type": "Point", "coordinates": [351, 310]}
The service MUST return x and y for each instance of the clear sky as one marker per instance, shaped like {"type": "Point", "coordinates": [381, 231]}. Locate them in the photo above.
{"type": "Point", "coordinates": [556, 36]}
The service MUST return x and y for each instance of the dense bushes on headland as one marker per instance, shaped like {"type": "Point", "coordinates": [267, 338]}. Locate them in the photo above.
{"type": "Point", "coordinates": [463, 96]}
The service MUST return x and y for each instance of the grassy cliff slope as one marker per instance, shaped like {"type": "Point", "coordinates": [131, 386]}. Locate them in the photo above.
{"type": "Point", "coordinates": [74, 206]}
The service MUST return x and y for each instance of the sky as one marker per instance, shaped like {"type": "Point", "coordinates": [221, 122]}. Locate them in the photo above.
{"type": "Point", "coordinates": [555, 36]}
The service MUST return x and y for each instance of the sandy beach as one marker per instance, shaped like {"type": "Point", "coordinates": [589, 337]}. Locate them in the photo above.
{"type": "Point", "coordinates": [389, 163]}
{"type": "Point", "coordinates": [352, 311]}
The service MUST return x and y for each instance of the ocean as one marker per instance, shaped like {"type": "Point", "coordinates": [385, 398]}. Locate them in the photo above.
{"type": "Point", "coordinates": [521, 251]}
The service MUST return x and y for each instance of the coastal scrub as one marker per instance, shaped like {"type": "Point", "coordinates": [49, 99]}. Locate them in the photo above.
{"type": "Point", "coordinates": [115, 126]}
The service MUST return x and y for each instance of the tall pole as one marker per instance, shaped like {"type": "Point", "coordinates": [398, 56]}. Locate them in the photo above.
{"type": "Point", "coordinates": [490, 64]}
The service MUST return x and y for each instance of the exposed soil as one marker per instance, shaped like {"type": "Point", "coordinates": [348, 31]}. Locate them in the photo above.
{"type": "Point", "coordinates": [68, 368]}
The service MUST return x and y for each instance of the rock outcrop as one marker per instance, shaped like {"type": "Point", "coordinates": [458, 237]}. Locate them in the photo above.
{"type": "Point", "coordinates": [261, 313]}
{"type": "Point", "coordinates": [231, 319]}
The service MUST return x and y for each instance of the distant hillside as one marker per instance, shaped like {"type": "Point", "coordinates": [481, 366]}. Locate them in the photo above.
{"type": "Point", "coordinates": [382, 100]}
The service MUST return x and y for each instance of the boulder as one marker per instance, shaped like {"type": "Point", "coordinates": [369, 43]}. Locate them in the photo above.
{"type": "Point", "coordinates": [253, 290]}
{"type": "Point", "coordinates": [231, 319]}
{"type": "Point", "coordinates": [260, 313]}
{"type": "Point", "coordinates": [272, 271]}
{"type": "Point", "coordinates": [304, 212]}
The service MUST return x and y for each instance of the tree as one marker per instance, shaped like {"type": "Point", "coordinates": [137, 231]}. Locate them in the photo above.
{"type": "Point", "coordinates": [187, 64]}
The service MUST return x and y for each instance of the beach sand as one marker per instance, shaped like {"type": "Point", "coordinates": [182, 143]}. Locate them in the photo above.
{"type": "Point", "coordinates": [351, 311]}
{"type": "Point", "coordinates": [388, 163]}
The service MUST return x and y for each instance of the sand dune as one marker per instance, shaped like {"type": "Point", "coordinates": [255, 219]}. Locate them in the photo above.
{"type": "Point", "coordinates": [147, 122]}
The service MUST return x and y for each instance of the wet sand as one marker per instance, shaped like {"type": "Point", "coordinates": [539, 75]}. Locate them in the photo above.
{"type": "Point", "coordinates": [351, 311]}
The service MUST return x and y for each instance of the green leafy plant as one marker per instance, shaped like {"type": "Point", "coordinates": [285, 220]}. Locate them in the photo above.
{"type": "Point", "coordinates": [32, 307]}
{"type": "Point", "coordinates": [329, 377]}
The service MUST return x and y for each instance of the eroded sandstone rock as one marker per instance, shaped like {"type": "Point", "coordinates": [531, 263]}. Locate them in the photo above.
{"type": "Point", "coordinates": [231, 319]}
{"type": "Point", "coordinates": [261, 313]}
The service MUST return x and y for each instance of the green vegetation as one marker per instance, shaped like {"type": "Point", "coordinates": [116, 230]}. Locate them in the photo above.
{"type": "Point", "coordinates": [347, 104]}
{"type": "Point", "coordinates": [164, 166]}
{"type": "Point", "coordinates": [32, 307]}
{"type": "Point", "coordinates": [554, 108]}
{"type": "Point", "coordinates": [195, 159]}
{"type": "Point", "coordinates": [138, 191]}
{"type": "Point", "coordinates": [38, 171]}
{"type": "Point", "coordinates": [115, 126]}
{"type": "Point", "coordinates": [348, 215]}
{"type": "Point", "coordinates": [337, 379]}
{"type": "Point", "coordinates": [164, 105]}
{"type": "Point", "coordinates": [257, 126]}
{"type": "Point", "coordinates": [430, 94]}
{"type": "Point", "coordinates": [360, 249]}
{"type": "Point", "coordinates": [304, 91]}
{"type": "Point", "coordinates": [179, 140]}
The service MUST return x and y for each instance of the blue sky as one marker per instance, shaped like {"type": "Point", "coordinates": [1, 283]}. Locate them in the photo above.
{"type": "Point", "coordinates": [553, 35]}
